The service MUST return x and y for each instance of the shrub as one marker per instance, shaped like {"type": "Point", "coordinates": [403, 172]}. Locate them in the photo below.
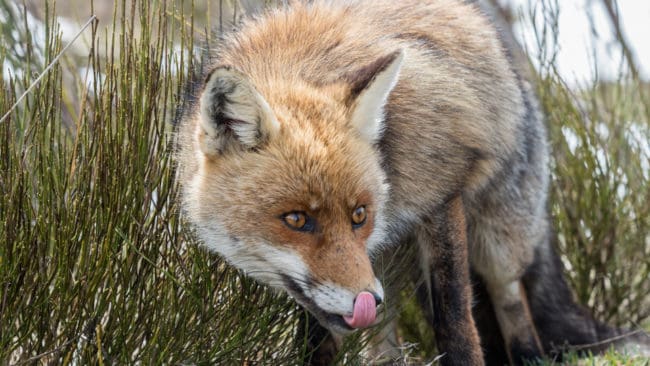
{"type": "Point", "coordinates": [97, 266]}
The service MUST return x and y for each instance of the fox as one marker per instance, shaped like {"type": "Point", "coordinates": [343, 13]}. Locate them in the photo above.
{"type": "Point", "coordinates": [326, 133]}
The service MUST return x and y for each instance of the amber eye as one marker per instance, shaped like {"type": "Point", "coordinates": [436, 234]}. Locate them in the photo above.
{"type": "Point", "coordinates": [359, 216]}
{"type": "Point", "coordinates": [299, 221]}
{"type": "Point", "coordinates": [295, 220]}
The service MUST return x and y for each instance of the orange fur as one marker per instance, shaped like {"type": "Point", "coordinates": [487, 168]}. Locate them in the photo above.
{"type": "Point", "coordinates": [277, 132]}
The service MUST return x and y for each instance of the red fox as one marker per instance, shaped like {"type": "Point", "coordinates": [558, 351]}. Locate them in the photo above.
{"type": "Point", "coordinates": [329, 131]}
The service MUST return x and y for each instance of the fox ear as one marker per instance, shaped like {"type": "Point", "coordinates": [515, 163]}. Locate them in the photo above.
{"type": "Point", "coordinates": [233, 113]}
{"type": "Point", "coordinates": [370, 87]}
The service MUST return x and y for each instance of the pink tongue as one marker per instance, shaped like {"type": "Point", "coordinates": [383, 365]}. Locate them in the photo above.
{"type": "Point", "coordinates": [365, 311]}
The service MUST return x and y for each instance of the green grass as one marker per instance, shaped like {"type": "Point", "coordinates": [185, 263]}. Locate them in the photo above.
{"type": "Point", "coordinates": [609, 358]}
{"type": "Point", "coordinates": [97, 266]}
{"type": "Point", "coordinates": [601, 184]}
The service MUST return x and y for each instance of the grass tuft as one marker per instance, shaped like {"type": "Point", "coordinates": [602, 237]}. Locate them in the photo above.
{"type": "Point", "coordinates": [97, 265]}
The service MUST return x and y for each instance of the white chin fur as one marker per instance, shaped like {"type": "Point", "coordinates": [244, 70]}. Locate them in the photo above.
{"type": "Point", "coordinates": [260, 260]}
{"type": "Point", "coordinates": [336, 299]}
{"type": "Point", "coordinates": [332, 298]}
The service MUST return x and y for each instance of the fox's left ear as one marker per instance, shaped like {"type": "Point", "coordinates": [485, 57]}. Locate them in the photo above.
{"type": "Point", "coordinates": [370, 87]}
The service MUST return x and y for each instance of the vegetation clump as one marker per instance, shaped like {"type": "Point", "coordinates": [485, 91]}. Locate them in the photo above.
{"type": "Point", "coordinates": [97, 266]}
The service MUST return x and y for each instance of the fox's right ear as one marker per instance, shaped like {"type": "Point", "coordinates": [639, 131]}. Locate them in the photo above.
{"type": "Point", "coordinates": [233, 114]}
{"type": "Point", "coordinates": [370, 87]}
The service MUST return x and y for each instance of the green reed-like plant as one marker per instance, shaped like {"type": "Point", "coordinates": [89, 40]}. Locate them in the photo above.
{"type": "Point", "coordinates": [97, 265]}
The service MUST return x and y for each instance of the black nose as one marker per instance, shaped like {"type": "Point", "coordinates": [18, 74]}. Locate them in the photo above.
{"type": "Point", "coordinates": [378, 299]}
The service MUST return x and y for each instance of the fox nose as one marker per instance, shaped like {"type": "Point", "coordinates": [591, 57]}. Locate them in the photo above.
{"type": "Point", "coordinates": [378, 298]}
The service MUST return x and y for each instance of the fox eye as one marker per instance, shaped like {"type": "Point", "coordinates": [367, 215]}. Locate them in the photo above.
{"type": "Point", "coordinates": [359, 216]}
{"type": "Point", "coordinates": [298, 221]}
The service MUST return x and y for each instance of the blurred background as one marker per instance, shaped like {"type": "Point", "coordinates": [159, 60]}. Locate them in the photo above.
{"type": "Point", "coordinates": [97, 266]}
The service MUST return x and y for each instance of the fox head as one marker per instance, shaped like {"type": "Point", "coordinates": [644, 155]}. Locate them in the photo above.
{"type": "Point", "coordinates": [288, 184]}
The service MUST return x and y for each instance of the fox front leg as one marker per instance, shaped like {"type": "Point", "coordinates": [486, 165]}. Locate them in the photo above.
{"type": "Point", "coordinates": [446, 295]}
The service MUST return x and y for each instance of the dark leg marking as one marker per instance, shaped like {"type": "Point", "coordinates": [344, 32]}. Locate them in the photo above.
{"type": "Point", "coordinates": [450, 295]}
